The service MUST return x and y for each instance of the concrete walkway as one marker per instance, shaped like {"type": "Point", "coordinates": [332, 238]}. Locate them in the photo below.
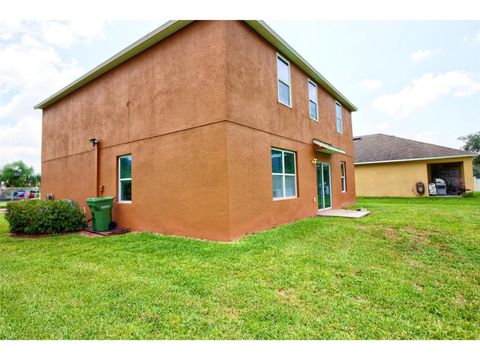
{"type": "Point", "coordinates": [351, 214]}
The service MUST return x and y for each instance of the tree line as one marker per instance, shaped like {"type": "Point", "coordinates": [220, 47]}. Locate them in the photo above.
{"type": "Point", "coordinates": [472, 143]}
{"type": "Point", "coordinates": [19, 174]}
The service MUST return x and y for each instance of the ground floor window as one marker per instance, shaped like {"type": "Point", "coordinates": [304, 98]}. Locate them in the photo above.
{"type": "Point", "coordinates": [343, 175]}
{"type": "Point", "coordinates": [284, 178]}
{"type": "Point", "coordinates": [125, 178]}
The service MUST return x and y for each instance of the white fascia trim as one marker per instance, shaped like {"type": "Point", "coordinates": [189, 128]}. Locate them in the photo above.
{"type": "Point", "coordinates": [416, 159]}
{"type": "Point", "coordinates": [172, 27]}
{"type": "Point", "coordinates": [273, 38]}
{"type": "Point", "coordinates": [136, 48]}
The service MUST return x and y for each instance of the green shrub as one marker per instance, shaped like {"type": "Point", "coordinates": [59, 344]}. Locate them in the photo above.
{"type": "Point", "coordinates": [44, 217]}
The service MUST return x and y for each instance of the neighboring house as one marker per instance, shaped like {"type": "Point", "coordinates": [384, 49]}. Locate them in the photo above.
{"type": "Point", "coordinates": [209, 129]}
{"type": "Point", "coordinates": [391, 166]}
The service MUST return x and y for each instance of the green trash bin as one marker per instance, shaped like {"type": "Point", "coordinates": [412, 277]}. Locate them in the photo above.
{"type": "Point", "coordinates": [101, 209]}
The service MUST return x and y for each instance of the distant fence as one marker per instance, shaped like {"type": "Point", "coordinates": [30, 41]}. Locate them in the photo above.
{"type": "Point", "coordinates": [12, 193]}
{"type": "Point", "coordinates": [476, 184]}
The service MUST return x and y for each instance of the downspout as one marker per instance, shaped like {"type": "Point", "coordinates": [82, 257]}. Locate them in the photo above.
{"type": "Point", "coordinates": [96, 149]}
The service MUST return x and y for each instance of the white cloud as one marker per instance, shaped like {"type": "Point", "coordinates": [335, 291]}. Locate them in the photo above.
{"type": "Point", "coordinates": [473, 40]}
{"type": "Point", "coordinates": [21, 141]}
{"type": "Point", "coordinates": [57, 34]}
{"type": "Point", "coordinates": [32, 68]}
{"type": "Point", "coordinates": [423, 54]}
{"type": "Point", "coordinates": [426, 89]}
{"type": "Point", "coordinates": [370, 84]}
{"type": "Point", "coordinates": [65, 34]}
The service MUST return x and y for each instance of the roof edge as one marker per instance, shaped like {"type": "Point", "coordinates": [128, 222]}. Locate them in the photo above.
{"type": "Point", "coordinates": [417, 141]}
{"type": "Point", "coordinates": [273, 38]}
{"type": "Point", "coordinates": [172, 27]}
{"type": "Point", "coordinates": [137, 47]}
{"type": "Point", "coordinates": [415, 159]}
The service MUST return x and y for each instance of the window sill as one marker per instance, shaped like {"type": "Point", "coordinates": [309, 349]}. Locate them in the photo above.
{"type": "Point", "coordinates": [289, 106]}
{"type": "Point", "coordinates": [124, 202]}
{"type": "Point", "coordinates": [313, 119]}
{"type": "Point", "coordinates": [285, 198]}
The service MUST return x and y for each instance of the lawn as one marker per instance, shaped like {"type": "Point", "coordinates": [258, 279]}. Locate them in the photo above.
{"type": "Point", "coordinates": [3, 204]}
{"type": "Point", "coordinates": [410, 270]}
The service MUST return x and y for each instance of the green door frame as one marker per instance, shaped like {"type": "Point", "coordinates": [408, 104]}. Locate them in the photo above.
{"type": "Point", "coordinates": [324, 188]}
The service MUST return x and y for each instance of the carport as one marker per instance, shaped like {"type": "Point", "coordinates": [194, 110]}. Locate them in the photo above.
{"type": "Point", "coordinates": [452, 173]}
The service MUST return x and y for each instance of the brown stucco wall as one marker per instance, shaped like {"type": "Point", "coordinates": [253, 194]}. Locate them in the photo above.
{"type": "Point", "coordinates": [175, 85]}
{"type": "Point", "coordinates": [199, 114]}
{"type": "Point", "coordinates": [251, 207]}
{"type": "Point", "coordinates": [258, 122]}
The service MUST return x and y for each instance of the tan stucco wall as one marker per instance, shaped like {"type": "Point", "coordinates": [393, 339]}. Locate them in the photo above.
{"type": "Point", "coordinates": [199, 114]}
{"type": "Point", "coordinates": [399, 179]}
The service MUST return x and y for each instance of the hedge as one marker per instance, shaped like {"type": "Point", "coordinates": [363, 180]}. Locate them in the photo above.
{"type": "Point", "coordinates": [44, 217]}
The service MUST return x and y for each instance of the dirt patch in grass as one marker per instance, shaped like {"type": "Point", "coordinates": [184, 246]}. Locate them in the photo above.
{"type": "Point", "coordinates": [421, 236]}
{"type": "Point", "coordinates": [391, 233]}
{"type": "Point", "coordinates": [232, 313]}
{"type": "Point", "coordinates": [418, 286]}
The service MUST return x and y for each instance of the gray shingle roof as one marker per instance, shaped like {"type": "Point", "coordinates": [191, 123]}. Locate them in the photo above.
{"type": "Point", "coordinates": [385, 148]}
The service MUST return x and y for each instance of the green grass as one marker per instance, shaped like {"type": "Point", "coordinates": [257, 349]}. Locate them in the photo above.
{"type": "Point", "coordinates": [3, 204]}
{"type": "Point", "coordinates": [410, 270]}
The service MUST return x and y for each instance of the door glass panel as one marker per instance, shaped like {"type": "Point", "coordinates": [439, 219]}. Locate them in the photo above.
{"type": "Point", "coordinates": [320, 186]}
{"type": "Point", "coordinates": [326, 186]}
{"type": "Point", "coordinates": [323, 186]}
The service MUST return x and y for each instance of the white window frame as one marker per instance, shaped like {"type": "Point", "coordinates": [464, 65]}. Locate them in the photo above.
{"type": "Point", "coordinates": [120, 179]}
{"type": "Point", "coordinates": [337, 118]}
{"type": "Point", "coordinates": [289, 81]}
{"type": "Point", "coordinates": [315, 101]}
{"type": "Point", "coordinates": [343, 175]}
{"type": "Point", "coordinates": [284, 174]}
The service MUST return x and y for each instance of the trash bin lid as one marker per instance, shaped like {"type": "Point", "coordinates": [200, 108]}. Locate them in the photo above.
{"type": "Point", "coordinates": [99, 200]}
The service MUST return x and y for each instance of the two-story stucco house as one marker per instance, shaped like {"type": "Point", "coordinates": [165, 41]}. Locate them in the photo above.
{"type": "Point", "coordinates": [209, 129]}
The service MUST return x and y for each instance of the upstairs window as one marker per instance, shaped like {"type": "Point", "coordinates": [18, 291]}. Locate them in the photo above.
{"type": "Point", "coordinates": [283, 77]}
{"type": "Point", "coordinates": [313, 100]}
{"type": "Point", "coordinates": [284, 176]}
{"type": "Point", "coordinates": [343, 175]}
{"type": "Point", "coordinates": [338, 111]}
{"type": "Point", "coordinates": [125, 178]}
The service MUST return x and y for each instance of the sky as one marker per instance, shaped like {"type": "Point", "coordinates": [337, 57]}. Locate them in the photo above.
{"type": "Point", "coordinates": [413, 79]}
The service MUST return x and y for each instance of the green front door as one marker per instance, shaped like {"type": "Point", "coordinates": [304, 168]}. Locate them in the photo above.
{"type": "Point", "coordinates": [323, 186]}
